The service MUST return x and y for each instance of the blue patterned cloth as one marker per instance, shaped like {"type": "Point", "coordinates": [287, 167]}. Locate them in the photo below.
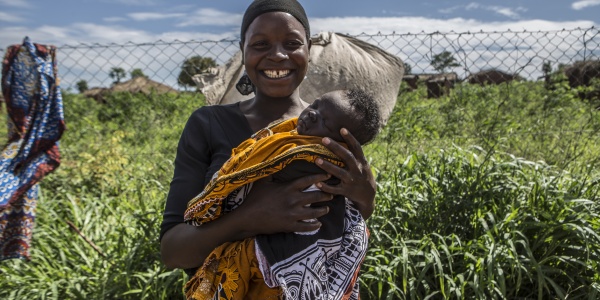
{"type": "Point", "coordinates": [35, 124]}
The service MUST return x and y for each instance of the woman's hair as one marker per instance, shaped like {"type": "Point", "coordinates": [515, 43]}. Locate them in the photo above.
{"type": "Point", "coordinates": [370, 122]}
{"type": "Point", "coordinates": [259, 7]}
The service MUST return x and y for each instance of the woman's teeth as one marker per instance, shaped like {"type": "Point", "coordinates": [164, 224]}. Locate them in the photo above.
{"type": "Point", "coordinates": [276, 73]}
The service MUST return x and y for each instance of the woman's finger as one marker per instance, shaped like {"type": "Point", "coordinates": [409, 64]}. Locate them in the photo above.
{"type": "Point", "coordinates": [306, 181]}
{"type": "Point", "coordinates": [340, 151]}
{"type": "Point", "coordinates": [337, 189]}
{"type": "Point", "coordinates": [353, 145]}
{"type": "Point", "coordinates": [335, 171]}
{"type": "Point", "coordinates": [303, 226]}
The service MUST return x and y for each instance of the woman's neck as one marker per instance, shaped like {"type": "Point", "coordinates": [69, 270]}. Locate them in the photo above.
{"type": "Point", "coordinates": [261, 110]}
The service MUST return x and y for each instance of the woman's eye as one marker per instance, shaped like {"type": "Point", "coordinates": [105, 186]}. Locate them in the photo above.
{"type": "Point", "coordinates": [259, 44]}
{"type": "Point", "coordinates": [294, 44]}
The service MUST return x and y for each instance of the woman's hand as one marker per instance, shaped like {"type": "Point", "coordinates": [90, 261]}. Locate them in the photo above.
{"type": "Point", "coordinates": [270, 207]}
{"type": "Point", "coordinates": [357, 181]}
{"type": "Point", "coordinates": [273, 207]}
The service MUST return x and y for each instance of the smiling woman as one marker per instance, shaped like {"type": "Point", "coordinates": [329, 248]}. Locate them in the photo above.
{"type": "Point", "coordinates": [285, 151]}
{"type": "Point", "coordinates": [275, 48]}
{"type": "Point", "coordinates": [275, 53]}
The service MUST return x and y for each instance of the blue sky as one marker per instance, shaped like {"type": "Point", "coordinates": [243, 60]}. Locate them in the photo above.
{"type": "Point", "coordinates": [118, 21]}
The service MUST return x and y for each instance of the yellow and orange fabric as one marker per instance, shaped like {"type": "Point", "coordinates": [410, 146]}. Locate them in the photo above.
{"type": "Point", "coordinates": [241, 270]}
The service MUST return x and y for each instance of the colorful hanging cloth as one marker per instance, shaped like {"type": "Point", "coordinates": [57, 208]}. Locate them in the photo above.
{"type": "Point", "coordinates": [318, 265]}
{"type": "Point", "coordinates": [30, 88]}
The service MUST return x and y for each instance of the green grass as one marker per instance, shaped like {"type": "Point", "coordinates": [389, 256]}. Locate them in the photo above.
{"type": "Point", "coordinates": [465, 225]}
{"type": "Point", "coordinates": [489, 193]}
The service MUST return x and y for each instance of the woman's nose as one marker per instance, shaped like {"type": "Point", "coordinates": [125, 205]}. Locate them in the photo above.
{"type": "Point", "coordinates": [278, 53]}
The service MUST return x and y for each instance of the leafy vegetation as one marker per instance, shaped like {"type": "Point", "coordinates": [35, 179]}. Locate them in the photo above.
{"type": "Point", "coordinates": [117, 74]}
{"type": "Point", "coordinates": [82, 86]}
{"type": "Point", "coordinates": [489, 193]}
{"type": "Point", "coordinates": [444, 60]}
{"type": "Point", "coordinates": [137, 73]}
{"type": "Point", "coordinates": [192, 66]}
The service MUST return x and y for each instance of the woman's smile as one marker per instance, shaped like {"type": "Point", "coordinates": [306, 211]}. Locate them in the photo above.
{"type": "Point", "coordinates": [276, 74]}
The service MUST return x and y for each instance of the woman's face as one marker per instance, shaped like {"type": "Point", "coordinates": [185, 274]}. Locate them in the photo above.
{"type": "Point", "coordinates": [276, 54]}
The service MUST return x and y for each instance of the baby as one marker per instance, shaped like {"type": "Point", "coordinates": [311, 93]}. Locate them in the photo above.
{"type": "Point", "coordinates": [351, 109]}
{"type": "Point", "coordinates": [324, 263]}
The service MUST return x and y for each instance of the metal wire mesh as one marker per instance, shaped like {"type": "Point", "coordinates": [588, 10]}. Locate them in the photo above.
{"type": "Point", "coordinates": [530, 55]}
{"type": "Point", "coordinates": [523, 53]}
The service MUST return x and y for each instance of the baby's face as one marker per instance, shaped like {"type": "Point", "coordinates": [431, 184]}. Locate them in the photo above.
{"type": "Point", "coordinates": [326, 116]}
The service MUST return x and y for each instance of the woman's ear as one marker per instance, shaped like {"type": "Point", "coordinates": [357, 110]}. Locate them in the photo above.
{"type": "Point", "coordinates": [242, 49]}
{"type": "Point", "coordinates": [309, 45]}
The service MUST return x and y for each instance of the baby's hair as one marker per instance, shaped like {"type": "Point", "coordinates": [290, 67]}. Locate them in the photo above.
{"type": "Point", "coordinates": [364, 104]}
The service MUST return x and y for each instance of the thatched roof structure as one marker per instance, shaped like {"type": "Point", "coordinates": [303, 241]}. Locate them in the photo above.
{"type": "Point", "coordinates": [136, 85]}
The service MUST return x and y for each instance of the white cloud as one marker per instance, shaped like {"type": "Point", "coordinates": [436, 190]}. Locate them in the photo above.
{"type": "Point", "coordinates": [11, 36]}
{"type": "Point", "coordinates": [43, 35]}
{"type": "Point", "coordinates": [472, 5]}
{"type": "Point", "coordinates": [87, 32]}
{"type": "Point", "coordinates": [16, 3]}
{"type": "Point", "coordinates": [95, 33]}
{"type": "Point", "coordinates": [135, 2]}
{"type": "Point", "coordinates": [110, 34]}
{"type": "Point", "coordinates": [579, 5]}
{"type": "Point", "coordinates": [114, 19]}
{"type": "Point", "coordinates": [394, 12]}
{"type": "Point", "coordinates": [146, 16]}
{"type": "Point", "coordinates": [209, 16]}
{"type": "Point", "coordinates": [449, 10]}
{"type": "Point", "coordinates": [505, 11]}
{"type": "Point", "coordinates": [11, 18]}
{"type": "Point", "coordinates": [356, 25]}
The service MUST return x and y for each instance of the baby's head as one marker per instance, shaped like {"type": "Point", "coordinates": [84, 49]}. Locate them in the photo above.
{"type": "Point", "coordinates": [353, 109]}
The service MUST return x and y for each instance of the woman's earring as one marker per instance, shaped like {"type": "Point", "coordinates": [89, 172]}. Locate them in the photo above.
{"type": "Point", "coordinates": [244, 85]}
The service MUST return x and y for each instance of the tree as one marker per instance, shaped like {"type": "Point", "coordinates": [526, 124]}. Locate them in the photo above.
{"type": "Point", "coordinates": [407, 69]}
{"type": "Point", "coordinates": [192, 66]}
{"type": "Point", "coordinates": [443, 61]}
{"type": "Point", "coordinates": [547, 68]}
{"type": "Point", "coordinates": [137, 73]}
{"type": "Point", "coordinates": [82, 86]}
{"type": "Point", "coordinates": [116, 73]}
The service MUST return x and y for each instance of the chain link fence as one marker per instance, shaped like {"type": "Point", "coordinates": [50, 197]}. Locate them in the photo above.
{"type": "Point", "coordinates": [521, 53]}
{"type": "Point", "coordinates": [529, 54]}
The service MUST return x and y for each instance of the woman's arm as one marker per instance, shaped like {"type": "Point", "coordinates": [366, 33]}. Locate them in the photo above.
{"type": "Point", "coordinates": [199, 154]}
{"type": "Point", "coordinates": [186, 246]}
{"type": "Point", "coordinates": [357, 181]}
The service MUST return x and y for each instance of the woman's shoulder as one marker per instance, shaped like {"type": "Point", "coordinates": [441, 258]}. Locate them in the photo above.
{"type": "Point", "coordinates": [232, 108]}
{"type": "Point", "coordinates": [224, 116]}
{"type": "Point", "coordinates": [230, 112]}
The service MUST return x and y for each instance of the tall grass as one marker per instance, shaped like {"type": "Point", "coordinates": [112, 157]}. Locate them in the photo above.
{"type": "Point", "coordinates": [491, 192]}
{"type": "Point", "coordinates": [465, 225]}
{"type": "Point", "coordinates": [96, 235]}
